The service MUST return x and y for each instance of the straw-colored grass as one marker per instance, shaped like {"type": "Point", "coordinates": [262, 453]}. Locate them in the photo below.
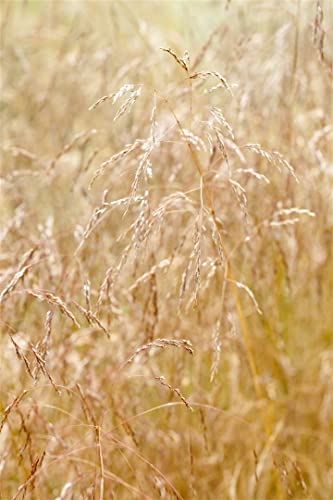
{"type": "Point", "coordinates": [166, 250]}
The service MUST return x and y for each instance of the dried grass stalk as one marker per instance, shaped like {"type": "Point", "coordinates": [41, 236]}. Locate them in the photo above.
{"type": "Point", "coordinates": [161, 344]}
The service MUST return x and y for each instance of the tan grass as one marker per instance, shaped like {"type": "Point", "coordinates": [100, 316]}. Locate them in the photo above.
{"type": "Point", "coordinates": [158, 203]}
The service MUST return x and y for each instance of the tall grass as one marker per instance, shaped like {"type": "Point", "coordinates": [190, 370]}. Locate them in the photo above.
{"type": "Point", "coordinates": [166, 250]}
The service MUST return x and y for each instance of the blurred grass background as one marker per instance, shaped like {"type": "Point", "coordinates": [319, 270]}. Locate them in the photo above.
{"type": "Point", "coordinates": [115, 431]}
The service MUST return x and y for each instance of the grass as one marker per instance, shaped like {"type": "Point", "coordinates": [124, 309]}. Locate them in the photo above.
{"type": "Point", "coordinates": [166, 250]}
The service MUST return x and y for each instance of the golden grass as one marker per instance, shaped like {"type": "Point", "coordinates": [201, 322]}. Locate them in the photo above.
{"type": "Point", "coordinates": [166, 250]}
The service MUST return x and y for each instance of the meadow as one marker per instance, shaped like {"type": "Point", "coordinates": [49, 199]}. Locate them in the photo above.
{"type": "Point", "coordinates": [166, 272]}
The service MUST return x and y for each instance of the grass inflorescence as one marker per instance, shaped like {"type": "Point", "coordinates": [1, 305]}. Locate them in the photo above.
{"type": "Point", "coordinates": [166, 239]}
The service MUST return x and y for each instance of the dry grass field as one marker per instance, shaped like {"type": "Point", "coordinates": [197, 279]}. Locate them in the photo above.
{"type": "Point", "coordinates": [166, 273]}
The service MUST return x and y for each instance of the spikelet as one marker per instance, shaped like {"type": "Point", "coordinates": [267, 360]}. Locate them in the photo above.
{"type": "Point", "coordinates": [205, 74]}
{"type": "Point", "coordinates": [175, 390]}
{"type": "Point", "coordinates": [254, 173]}
{"type": "Point", "coordinates": [23, 268]}
{"type": "Point", "coordinates": [98, 215]}
{"type": "Point", "coordinates": [180, 60]}
{"type": "Point", "coordinates": [12, 405]}
{"type": "Point", "coordinates": [128, 104]}
{"type": "Point", "coordinates": [274, 157]}
{"type": "Point", "coordinates": [50, 298]}
{"type": "Point", "coordinates": [220, 119]}
{"type": "Point", "coordinates": [161, 344]}
{"type": "Point", "coordinates": [291, 214]}
{"type": "Point", "coordinates": [197, 142]}
{"type": "Point", "coordinates": [91, 317]}
{"type": "Point", "coordinates": [146, 276]}
{"type": "Point", "coordinates": [129, 148]}
{"type": "Point", "coordinates": [124, 89]}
